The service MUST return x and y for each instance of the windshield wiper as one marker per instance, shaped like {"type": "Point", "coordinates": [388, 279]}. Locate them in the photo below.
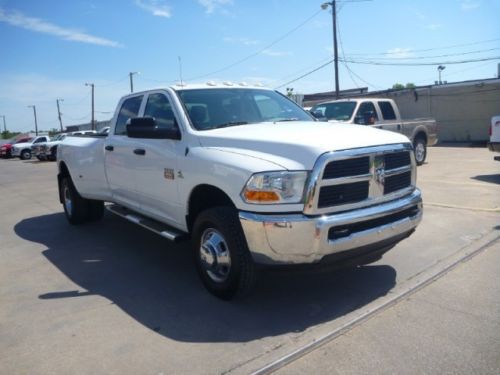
{"type": "Point", "coordinates": [231, 123]}
{"type": "Point", "coordinates": [287, 119]}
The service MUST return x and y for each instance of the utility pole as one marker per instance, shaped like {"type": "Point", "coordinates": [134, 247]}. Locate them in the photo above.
{"type": "Point", "coordinates": [333, 4]}
{"type": "Point", "coordinates": [92, 125]}
{"type": "Point", "coordinates": [59, 112]}
{"type": "Point", "coordinates": [36, 123]}
{"type": "Point", "coordinates": [4, 126]}
{"type": "Point", "coordinates": [132, 80]}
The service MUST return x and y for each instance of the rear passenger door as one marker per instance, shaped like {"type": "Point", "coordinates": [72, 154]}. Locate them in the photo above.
{"type": "Point", "coordinates": [120, 159]}
{"type": "Point", "coordinates": [389, 118]}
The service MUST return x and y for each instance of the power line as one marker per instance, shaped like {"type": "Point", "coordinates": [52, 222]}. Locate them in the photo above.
{"type": "Point", "coordinates": [429, 49]}
{"type": "Point", "coordinates": [435, 56]}
{"type": "Point", "coordinates": [306, 74]}
{"type": "Point", "coordinates": [423, 63]}
{"type": "Point", "coordinates": [343, 55]}
{"type": "Point", "coordinates": [259, 51]}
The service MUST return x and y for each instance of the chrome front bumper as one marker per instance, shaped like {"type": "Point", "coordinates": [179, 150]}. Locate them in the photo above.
{"type": "Point", "coordinates": [300, 239]}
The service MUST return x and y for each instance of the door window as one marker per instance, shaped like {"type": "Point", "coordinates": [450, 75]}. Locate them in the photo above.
{"type": "Point", "coordinates": [387, 110]}
{"type": "Point", "coordinates": [366, 115]}
{"type": "Point", "coordinates": [159, 108]}
{"type": "Point", "coordinates": [130, 109]}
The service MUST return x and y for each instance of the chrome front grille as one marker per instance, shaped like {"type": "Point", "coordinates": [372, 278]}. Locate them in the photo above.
{"type": "Point", "coordinates": [346, 180]}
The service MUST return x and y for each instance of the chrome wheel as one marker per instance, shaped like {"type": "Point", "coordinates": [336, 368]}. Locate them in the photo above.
{"type": "Point", "coordinates": [420, 151]}
{"type": "Point", "coordinates": [214, 255]}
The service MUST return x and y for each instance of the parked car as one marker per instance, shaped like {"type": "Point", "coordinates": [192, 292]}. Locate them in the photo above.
{"type": "Point", "coordinates": [383, 114]}
{"type": "Point", "coordinates": [6, 148]}
{"type": "Point", "coordinates": [494, 143]}
{"type": "Point", "coordinates": [48, 150]}
{"type": "Point", "coordinates": [23, 150]}
{"type": "Point", "coordinates": [249, 176]}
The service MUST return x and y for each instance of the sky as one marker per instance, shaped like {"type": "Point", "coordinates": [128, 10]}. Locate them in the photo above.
{"type": "Point", "coordinates": [51, 48]}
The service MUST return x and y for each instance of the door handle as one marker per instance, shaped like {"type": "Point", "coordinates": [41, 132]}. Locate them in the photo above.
{"type": "Point", "coordinates": [109, 148]}
{"type": "Point", "coordinates": [140, 151]}
{"type": "Point", "coordinates": [399, 126]}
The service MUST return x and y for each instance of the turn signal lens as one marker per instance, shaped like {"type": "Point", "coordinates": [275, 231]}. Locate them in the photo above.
{"type": "Point", "coordinates": [261, 196]}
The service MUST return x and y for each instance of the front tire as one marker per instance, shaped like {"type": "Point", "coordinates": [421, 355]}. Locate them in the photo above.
{"type": "Point", "coordinates": [420, 147]}
{"type": "Point", "coordinates": [25, 155]}
{"type": "Point", "coordinates": [221, 254]}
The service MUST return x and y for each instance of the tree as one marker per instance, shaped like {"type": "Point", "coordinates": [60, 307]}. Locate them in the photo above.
{"type": "Point", "coordinates": [400, 86]}
{"type": "Point", "coordinates": [7, 134]}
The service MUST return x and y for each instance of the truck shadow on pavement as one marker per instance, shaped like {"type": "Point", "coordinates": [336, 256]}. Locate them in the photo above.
{"type": "Point", "coordinates": [491, 178]}
{"type": "Point", "coordinates": [155, 282]}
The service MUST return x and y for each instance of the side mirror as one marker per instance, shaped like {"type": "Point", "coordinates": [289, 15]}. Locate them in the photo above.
{"type": "Point", "coordinates": [145, 127]}
{"type": "Point", "coordinates": [317, 114]}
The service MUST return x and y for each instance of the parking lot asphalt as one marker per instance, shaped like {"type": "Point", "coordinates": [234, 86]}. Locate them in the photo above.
{"type": "Point", "coordinates": [110, 297]}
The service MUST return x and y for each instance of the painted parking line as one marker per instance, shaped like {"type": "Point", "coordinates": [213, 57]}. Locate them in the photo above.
{"type": "Point", "coordinates": [442, 205]}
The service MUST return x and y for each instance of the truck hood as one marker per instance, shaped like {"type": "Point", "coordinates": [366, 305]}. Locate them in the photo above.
{"type": "Point", "coordinates": [295, 145]}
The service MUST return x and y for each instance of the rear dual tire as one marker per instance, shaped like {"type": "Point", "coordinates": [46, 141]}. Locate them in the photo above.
{"type": "Point", "coordinates": [77, 209]}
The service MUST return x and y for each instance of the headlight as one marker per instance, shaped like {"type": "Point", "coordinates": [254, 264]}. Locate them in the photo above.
{"type": "Point", "coordinates": [275, 187]}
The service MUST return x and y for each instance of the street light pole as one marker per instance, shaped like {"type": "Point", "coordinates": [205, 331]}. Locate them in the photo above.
{"type": "Point", "coordinates": [59, 112]}
{"type": "Point", "coordinates": [92, 126]}
{"type": "Point", "coordinates": [333, 4]}
{"type": "Point", "coordinates": [4, 126]}
{"type": "Point", "coordinates": [440, 69]}
{"type": "Point", "coordinates": [132, 80]}
{"type": "Point", "coordinates": [36, 123]}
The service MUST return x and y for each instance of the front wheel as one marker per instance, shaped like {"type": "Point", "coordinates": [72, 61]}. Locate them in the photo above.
{"type": "Point", "coordinates": [222, 258]}
{"type": "Point", "coordinates": [420, 147]}
{"type": "Point", "coordinates": [25, 155]}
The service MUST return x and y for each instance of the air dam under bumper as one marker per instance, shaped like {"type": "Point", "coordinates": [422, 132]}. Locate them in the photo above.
{"type": "Point", "coordinates": [300, 239]}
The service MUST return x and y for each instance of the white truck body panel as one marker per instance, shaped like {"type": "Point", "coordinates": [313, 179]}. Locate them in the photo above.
{"type": "Point", "coordinates": [494, 143]}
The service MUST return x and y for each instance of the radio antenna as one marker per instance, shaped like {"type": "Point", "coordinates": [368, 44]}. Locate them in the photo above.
{"type": "Point", "coordinates": [180, 69]}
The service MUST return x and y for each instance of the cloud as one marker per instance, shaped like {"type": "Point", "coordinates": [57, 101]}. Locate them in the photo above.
{"type": "Point", "coordinates": [400, 53]}
{"type": "Point", "coordinates": [244, 41]}
{"type": "Point", "coordinates": [469, 5]}
{"type": "Point", "coordinates": [41, 26]}
{"type": "Point", "coordinates": [272, 53]}
{"type": "Point", "coordinates": [211, 5]}
{"type": "Point", "coordinates": [155, 7]}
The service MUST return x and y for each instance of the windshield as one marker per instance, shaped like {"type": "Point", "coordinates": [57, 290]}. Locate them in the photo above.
{"type": "Point", "coordinates": [218, 108]}
{"type": "Point", "coordinates": [340, 111]}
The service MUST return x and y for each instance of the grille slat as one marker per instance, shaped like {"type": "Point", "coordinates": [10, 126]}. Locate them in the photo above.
{"type": "Point", "coordinates": [346, 168]}
{"type": "Point", "coordinates": [397, 160]}
{"type": "Point", "coordinates": [342, 194]}
{"type": "Point", "coordinates": [397, 182]}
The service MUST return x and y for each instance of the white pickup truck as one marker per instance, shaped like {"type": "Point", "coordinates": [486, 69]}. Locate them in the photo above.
{"type": "Point", "coordinates": [494, 143]}
{"type": "Point", "coordinates": [383, 114]}
{"type": "Point", "coordinates": [249, 176]}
